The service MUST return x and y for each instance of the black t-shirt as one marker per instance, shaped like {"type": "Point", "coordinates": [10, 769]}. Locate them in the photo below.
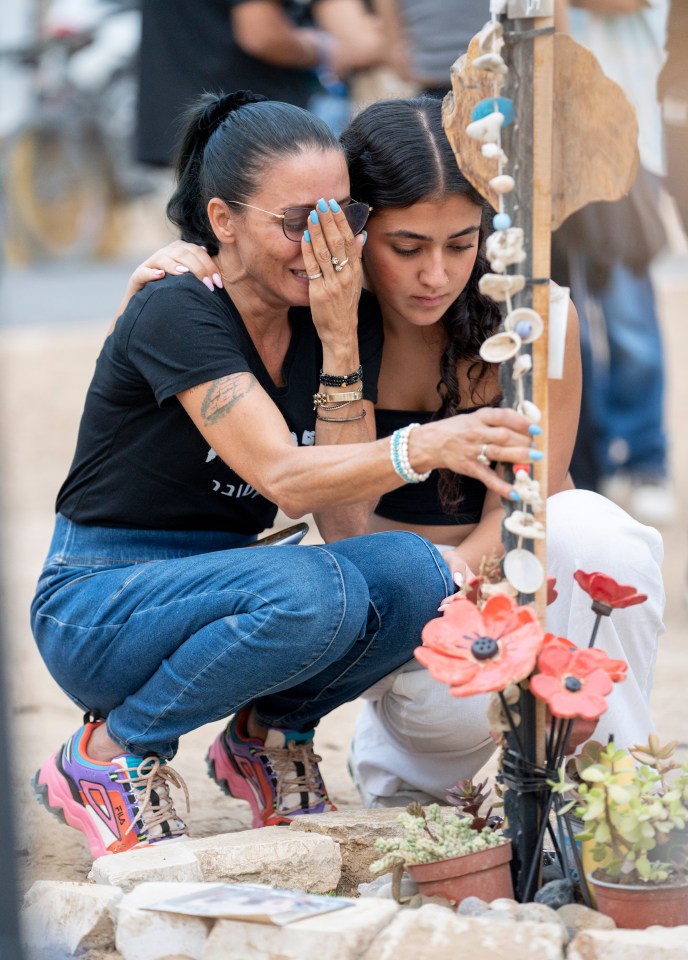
{"type": "Point", "coordinates": [140, 462]}
{"type": "Point", "coordinates": [187, 48]}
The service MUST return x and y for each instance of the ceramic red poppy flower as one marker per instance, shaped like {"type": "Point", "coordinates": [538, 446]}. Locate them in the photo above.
{"type": "Point", "coordinates": [573, 682]}
{"type": "Point", "coordinates": [606, 593]}
{"type": "Point", "coordinates": [480, 651]}
{"type": "Point", "coordinates": [552, 592]}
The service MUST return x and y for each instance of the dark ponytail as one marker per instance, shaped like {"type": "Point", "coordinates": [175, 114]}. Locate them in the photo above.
{"type": "Point", "coordinates": [227, 141]}
{"type": "Point", "coordinates": [398, 154]}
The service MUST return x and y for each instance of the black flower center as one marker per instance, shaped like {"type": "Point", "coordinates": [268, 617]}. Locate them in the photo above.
{"type": "Point", "coordinates": [573, 684]}
{"type": "Point", "coordinates": [484, 648]}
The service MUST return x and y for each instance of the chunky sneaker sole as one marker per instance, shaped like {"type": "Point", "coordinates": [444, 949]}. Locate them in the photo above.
{"type": "Point", "coordinates": [279, 779]}
{"type": "Point", "coordinates": [119, 806]}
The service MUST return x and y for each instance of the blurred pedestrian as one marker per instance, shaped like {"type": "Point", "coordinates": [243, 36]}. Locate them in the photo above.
{"type": "Point", "coordinates": [281, 49]}
{"type": "Point", "coordinates": [425, 37]}
{"type": "Point", "coordinates": [608, 248]}
{"type": "Point", "coordinates": [672, 90]}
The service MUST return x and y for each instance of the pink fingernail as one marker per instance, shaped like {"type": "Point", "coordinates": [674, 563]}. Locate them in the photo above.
{"type": "Point", "coordinates": [209, 284]}
{"type": "Point", "coordinates": [217, 280]}
{"type": "Point", "coordinates": [458, 578]}
{"type": "Point", "coordinates": [442, 607]}
{"type": "Point", "coordinates": [180, 268]}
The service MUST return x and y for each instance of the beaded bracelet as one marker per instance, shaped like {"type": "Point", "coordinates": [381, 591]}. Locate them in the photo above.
{"type": "Point", "coordinates": [331, 380]}
{"type": "Point", "coordinates": [398, 454]}
{"type": "Point", "coordinates": [359, 416]}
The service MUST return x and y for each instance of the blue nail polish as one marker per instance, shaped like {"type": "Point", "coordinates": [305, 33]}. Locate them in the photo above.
{"type": "Point", "coordinates": [535, 454]}
{"type": "Point", "coordinates": [322, 206]}
{"type": "Point", "coordinates": [314, 216]}
{"type": "Point", "coordinates": [513, 495]}
{"type": "Point", "coordinates": [365, 237]}
{"type": "Point", "coordinates": [306, 236]}
{"type": "Point", "coordinates": [334, 206]}
{"type": "Point", "coordinates": [534, 430]}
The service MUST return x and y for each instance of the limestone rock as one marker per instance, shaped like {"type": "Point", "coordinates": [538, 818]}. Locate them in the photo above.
{"type": "Point", "coordinates": [70, 918]}
{"type": "Point", "coordinates": [355, 831]}
{"type": "Point", "coordinates": [433, 933]}
{"type": "Point", "coordinates": [150, 935]}
{"type": "Point", "coordinates": [578, 918]}
{"type": "Point", "coordinates": [657, 943]}
{"type": "Point", "coordinates": [272, 855]}
{"type": "Point", "coordinates": [169, 861]}
{"type": "Point", "coordinates": [339, 935]}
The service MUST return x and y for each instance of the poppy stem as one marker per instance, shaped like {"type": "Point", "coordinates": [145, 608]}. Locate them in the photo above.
{"type": "Point", "coordinates": [512, 725]}
{"type": "Point", "coordinates": [594, 630]}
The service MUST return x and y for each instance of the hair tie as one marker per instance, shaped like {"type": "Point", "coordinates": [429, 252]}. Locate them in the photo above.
{"type": "Point", "coordinates": [219, 109]}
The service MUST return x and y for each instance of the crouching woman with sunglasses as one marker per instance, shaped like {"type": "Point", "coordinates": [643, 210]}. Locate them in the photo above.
{"type": "Point", "coordinates": [206, 413]}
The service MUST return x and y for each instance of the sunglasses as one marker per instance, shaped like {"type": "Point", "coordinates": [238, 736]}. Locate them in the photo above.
{"type": "Point", "coordinates": [295, 219]}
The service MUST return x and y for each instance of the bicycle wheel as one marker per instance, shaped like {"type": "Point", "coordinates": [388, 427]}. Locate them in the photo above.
{"type": "Point", "coordinates": [59, 192]}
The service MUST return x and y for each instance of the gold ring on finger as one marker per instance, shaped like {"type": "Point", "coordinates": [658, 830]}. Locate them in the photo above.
{"type": "Point", "coordinates": [482, 456]}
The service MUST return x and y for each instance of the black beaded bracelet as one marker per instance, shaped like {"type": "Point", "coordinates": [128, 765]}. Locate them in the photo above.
{"type": "Point", "coordinates": [341, 381]}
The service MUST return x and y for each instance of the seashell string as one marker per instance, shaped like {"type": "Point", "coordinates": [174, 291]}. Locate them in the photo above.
{"type": "Point", "coordinates": [522, 326]}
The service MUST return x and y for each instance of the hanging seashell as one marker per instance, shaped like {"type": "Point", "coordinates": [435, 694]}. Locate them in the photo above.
{"type": "Point", "coordinates": [492, 589]}
{"type": "Point", "coordinates": [492, 151]}
{"type": "Point", "coordinates": [492, 62]}
{"type": "Point", "coordinates": [530, 411]}
{"type": "Point", "coordinates": [500, 286]}
{"type": "Point", "coordinates": [503, 183]}
{"type": "Point", "coordinates": [486, 130]}
{"type": "Point", "coordinates": [503, 105]}
{"type": "Point", "coordinates": [528, 490]}
{"type": "Point", "coordinates": [491, 37]}
{"type": "Point", "coordinates": [522, 364]}
{"type": "Point", "coordinates": [525, 315]}
{"type": "Point", "coordinates": [500, 347]}
{"type": "Point", "coordinates": [523, 524]}
{"type": "Point", "coordinates": [505, 247]}
{"type": "Point", "coordinates": [523, 570]}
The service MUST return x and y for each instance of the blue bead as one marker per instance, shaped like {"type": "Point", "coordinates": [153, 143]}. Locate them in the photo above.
{"type": "Point", "coordinates": [502, 221]}
{"type": "Point", "coordinates": [524, 329]}
{"type": "Point", "coordinates": [490, 104]}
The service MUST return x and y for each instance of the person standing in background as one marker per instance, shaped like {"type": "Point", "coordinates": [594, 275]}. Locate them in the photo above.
{"type": "Point", "coordinates": [607, 249]}
{"type": "Point", "coordinates": [279, 48]}
{"type": "Point", "coordinates": [672, 91]}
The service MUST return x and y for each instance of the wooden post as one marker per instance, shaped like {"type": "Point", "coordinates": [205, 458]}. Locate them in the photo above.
{"type": "Point", "coordinates": [573, 141]}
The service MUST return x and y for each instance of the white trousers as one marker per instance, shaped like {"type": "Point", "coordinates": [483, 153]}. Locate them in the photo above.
{"type": "Point", "coordinates": [413, 740]}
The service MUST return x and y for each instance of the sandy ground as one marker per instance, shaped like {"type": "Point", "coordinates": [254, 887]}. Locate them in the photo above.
{"type": "Point", "coordinates": [44, 375]}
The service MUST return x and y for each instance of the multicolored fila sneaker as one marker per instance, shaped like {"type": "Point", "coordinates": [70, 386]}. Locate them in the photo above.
{"type": "Point", "coordinates": [279, 778]}
{"type": "Point", "coordinates": [119, 805]}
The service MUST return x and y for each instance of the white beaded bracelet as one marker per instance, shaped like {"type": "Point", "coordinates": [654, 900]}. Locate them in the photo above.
{"type": "Point", "coordinates": [398, 454]}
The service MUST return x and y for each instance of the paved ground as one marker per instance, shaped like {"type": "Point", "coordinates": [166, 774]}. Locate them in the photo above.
{"type": "Point", "coordinates": [53, 323]}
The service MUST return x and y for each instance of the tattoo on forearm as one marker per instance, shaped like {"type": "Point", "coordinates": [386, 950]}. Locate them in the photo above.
{"type": "Point", "coordinates": [223, 394]}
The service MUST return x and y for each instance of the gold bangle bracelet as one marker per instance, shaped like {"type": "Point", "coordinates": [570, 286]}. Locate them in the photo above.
{"type": "Point", "coordinates": [319, 399]}
{"type": "Point", "coordinates": [360, 416]}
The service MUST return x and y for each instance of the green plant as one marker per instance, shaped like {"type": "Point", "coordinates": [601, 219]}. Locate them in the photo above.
{"type": "Point", "coordinates": [634, 807]}
{"type": "Point", "coordinates": [469, 798]}
{"type": "Point", "coordinates": [431, 834]}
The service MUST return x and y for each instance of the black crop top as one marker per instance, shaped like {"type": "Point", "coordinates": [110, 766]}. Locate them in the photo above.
{"type": "Point", "coordinates": [420, 502]}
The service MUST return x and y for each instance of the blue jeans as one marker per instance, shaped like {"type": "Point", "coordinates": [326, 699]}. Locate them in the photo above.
{"type": "Point", "coordinates": [162, 632]}
{"type": "Point", "coordinates": [628, 392]}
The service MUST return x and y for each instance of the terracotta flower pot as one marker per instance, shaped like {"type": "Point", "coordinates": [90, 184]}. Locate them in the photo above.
{"type": "Point", "coordinates": [485, 874]}
{"type": "Point", "coordinates": [644, 905]}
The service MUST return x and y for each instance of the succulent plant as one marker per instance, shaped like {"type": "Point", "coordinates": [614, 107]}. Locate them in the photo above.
{"type": "Point", "coordinates": [634, 807]}
{"type": "Point", "coordinates": [469, 798]}
{"type": "Point", "coordinates": [429, 835]}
